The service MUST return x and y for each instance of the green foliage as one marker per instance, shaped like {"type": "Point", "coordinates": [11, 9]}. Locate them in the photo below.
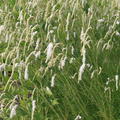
{"type": "Point", "coordinates": [76, 29]}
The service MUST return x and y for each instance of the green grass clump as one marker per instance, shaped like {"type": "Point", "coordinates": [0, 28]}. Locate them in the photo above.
{"type": "Point", "coordinates": [59, 60]}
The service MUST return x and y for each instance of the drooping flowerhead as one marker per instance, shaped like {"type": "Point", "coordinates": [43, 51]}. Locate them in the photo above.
{"type": "Point", "coordinates": [49, 51]}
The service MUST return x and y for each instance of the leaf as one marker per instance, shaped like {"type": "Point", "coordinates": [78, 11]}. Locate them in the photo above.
{"type": "Point", "coordinates": [55, 102]}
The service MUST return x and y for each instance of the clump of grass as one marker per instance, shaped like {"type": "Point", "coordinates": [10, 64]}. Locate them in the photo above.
{"type": "Point", "coordinates": [59, 60]}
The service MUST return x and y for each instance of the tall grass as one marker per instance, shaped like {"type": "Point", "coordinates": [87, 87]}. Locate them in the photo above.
{"type": "Point", "coordinates": [59, 59]}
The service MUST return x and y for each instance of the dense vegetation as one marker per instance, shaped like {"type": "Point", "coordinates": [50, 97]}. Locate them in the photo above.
{"type": "Point", "coordinates": [59, 60]}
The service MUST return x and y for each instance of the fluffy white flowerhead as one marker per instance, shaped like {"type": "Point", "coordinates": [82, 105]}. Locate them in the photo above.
{"type": "Point", "coordinates": [53, 80]}
{"type": "Point", "coordinates": [26, 74]}
{"type": "Point", "coordinates": [62, 62]}
{"type": "Point", "coordinates": [33, 105]}
{"type": "Point", "coordinates": [117, 80]}
{"type": "Point", "coordinates": [81, 70]}
{"type": "Point", "coordinates": [37, 54]}
{"type": "Point", "coordinates": [101, 20]}
{"type": "Point", "coordinates": [2, 66]}
{"type": "Point", "coordinates": [78, 117]}
{"type": "Point", "coordinates": [2, 27]}
{"type": "Point", "coordinates": [13, 111]}
{"type": "Point", "coordinates": [49, 51]}
{"type": "Point", "coordinates": [33, 109]}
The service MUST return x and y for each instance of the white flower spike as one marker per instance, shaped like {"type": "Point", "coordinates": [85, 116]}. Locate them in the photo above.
{"type": "Point", "coordinates": [13, 111]}
{"type": "Point", "coordinates": [49, 51]}
{"type": "Point", "coordinates": [78, 117]}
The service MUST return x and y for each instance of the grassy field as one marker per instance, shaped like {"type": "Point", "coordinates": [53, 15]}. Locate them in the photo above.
{"type": "Point", "coordinates": [59, 60]}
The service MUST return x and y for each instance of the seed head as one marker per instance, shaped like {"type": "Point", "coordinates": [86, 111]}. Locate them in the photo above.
{"type": "Point", "coordinates": [49, 51]}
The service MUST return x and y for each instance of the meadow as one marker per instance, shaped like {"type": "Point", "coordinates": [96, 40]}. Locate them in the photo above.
{"type": "Point", "coordinates": [59, 60]}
